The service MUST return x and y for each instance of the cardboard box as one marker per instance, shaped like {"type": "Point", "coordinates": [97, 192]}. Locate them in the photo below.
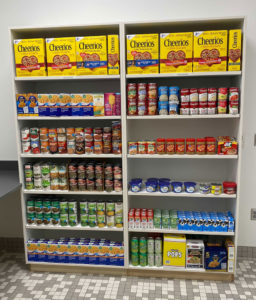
{"type": "Point", "coordinates": [231, 255]}
{"type": "Point", "coordinates": [21, 102]}
{"type": "Point", "coordinates": [210, 51]}
{"type": "Point", "coordinates": [43, 105]}
{"type": "Point", "coordinates": [32, 104]}
{"type": "Point", "coordinates": [30, 57]}
{"type": "Point", "coordinates": [195, 254]}
{"type": "Point", "coordinates": [65, 104]}
{"type": "Point", "coordinates": [176, 51]}
{"type": "Point", "coordinates": [234, 50]}
{"type": "Point", "coordinates": [91, 55]}
{"type": "Point", "coordinates": [98, 105]}
{"type": "Point", "coordinates": [142, 53]}
{"type": "Point", "coordinates": [61, 56]}
{"type": "Point", "coordinates": [174, 254]}
{"type": "Point", "coordinates": [113, 55]}
{"type": "Point", "coordinates": [215, 258]}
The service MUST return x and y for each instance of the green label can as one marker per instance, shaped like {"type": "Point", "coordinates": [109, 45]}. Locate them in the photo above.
{"type": "Point", "coordinates": [56, 218]}
{"type": "Point", "coordinates": [47, 218]}
{"type": "Point", "coordinates": [63, 219]}
{"type": "Point", "coordinates": [39, 218]}
{"type": "Point", "coordinates": [151, 259]}
{"type": "Point", "coordinates": [143, 245]}
{"type": "Point", "coordinates": [63, 206]}
{"type": "Point", "coordinates": [119, 220]}
{"type": "Point", "coordinates": [84, 219]}
{"type": "Point", "coordinates": [110, 208]}
{"type": "Point", "coordinates": [165, 221]}
{"type": "Point", "coordinates": [83, 207]}
{"type": "Point", "coordinates": [92, 220]}
{"type": "Point", "coordinates": [55, 206]}
{"type": "Point", "coordinates": [101, 207]}
{"type": "Point", "coordinates": [101, 220]}
{"type": "Point", "coordinates": [30, 218]}
{"type": "Point", "coordinates": [29, 184]}
{"type": "Point", "coordinates": [46, 182]}
{"type": "Point", "coordinates": [72, 207]}
{"type": "Point", "coordinates": [47, 207]}
{"type": "Point", "coordinates": [158, 259]}
{"type": "Point", "coordinates": [150, 245]}
{"type": "Point", "coordinates": [38, 205]}
{"type": "Point", "coordinates": [143, 259]}
{"type": "Point", "coordinates": [30, 205]}
{"type": "Point", "coordinates": [92, 207]}
{"type": "Point", "coordinates": [72, 219]}
{"type": "Point", "coordinates": [135, 259]}
{"type": "Point", "coordinates": [158, 245]}
{"type": "Point", "coordinates": [134, 245]}
{"type": "Point", "coordinates": [45, 169]}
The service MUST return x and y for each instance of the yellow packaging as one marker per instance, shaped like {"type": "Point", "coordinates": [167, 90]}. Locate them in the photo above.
{"type": "Point", "coordinates": [174, 250]}
{"type": "Point", "coordinates": [113, 55]}
{"type": "Point", "coordinates": [234, 50]}
{"type": "Point", "coordinates": [176, 50]}
{"type": "Point", "coordinates": [30, 57]}
{"type": "Point", "coordinates": [61, 56]}
{"type": "Point", "coordinates": [142, 53]}
{"type": "Point", "coordinates": [210, 51]}
{"type": "Point", "coordinates": [91, 55]}
{"type": "Point", "coordinates": [98, 105]}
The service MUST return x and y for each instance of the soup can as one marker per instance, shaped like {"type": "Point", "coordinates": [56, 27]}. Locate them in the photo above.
{"type": "Point", "coordinates": [25, 134]}
{"type": "Point", "coordinates": [26, 147]}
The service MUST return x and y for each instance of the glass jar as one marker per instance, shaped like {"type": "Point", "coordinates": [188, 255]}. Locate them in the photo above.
{"type": "Point", "coordinates": [210, 145]}
{"type": "Point", "coordinates": [170, 146]}
{"type": "Point", "coordinates": [180, 146]}
{"type": "Point", "coordinates": [190, 146]}
{"type": "Point", "coordinates": [200, 146]}
{"type": "Point", "coordinates": [160, 146]}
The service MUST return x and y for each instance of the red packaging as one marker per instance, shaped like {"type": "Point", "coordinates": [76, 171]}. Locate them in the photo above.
{"type": "Point", "coordinates": [222, 106]}
{"type": "Point", "coordinates": [210, 145]}
{"type": "Point", "coordinates": [203, 108]}
{"type": "Point", "coordinates": [170, 146]}
{"type": "Point", "coordinates": [193, 108]}
{"type": "Point", "coordinates": [142, 91]}
{"type": "Point", "coordinates": [180, 146]}
{"type": "Point", "coordinates": [212, 108]}
{"type": "Point", "coordinates": [223, 93]}
{"type": "Point", "coordinates": [53, 146]}
{"type": "Point", "coordinates": [62, 147]}
{"type": "Point", "coordinates": [184, 95]}
{"type": "Point", "coordinates": [132, 108]}
{"type": "Point", "coordinates": [227, 146]}
{"type": "Point", "coordinates": [190, 146]}
{"type": "Point", "coordinates": [233, 94]}
{"type": "Point", "coordinates": [212, 94]}
{"type": "Point", "coordinates": [152, 107]}
{"type": "Point", "coordinates": [184, 108]}
{"type": "Point", "coordinates": [142, 147]}
{"type": "Point", "coordinates": [160, 146]}
{"type": "Point", "coordinates": [152, 91]}
{"type": "Point", "coordinates": [131, 91]}
{"type": "Point", "coordinates": [203, 96]}
{"type": "Point", "coordinates": [229, 187]}
{"type": "Point", "coordinates": [200, 146]}
{"type": "Point", "coordinates": [193, 95]}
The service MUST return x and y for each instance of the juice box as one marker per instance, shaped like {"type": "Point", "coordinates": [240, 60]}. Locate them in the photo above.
{"type": "Point", "coordinates": [91, 55]}
{"type": "Point", "coordinates": [21, 102]}
{"type": "Point", "coordinates": [210, 51]}
{"type": "Point", "coordinates": [176, 52]}
{"type": "Point", "coordinates": [87, 105]}
{"type": "Point", "coordinates": [98, 105]}
{"type": "Point", "coordinates": [142, 53]}
{"type": "Point", "coordinates": [43, 105]}
{"type": "Point", "coordinates": [54, 105]}
{"type": "Point", "coordinates": [32, 104]}
{"type": "Point", "coordinates": [65, 104]}
{"type": "Point", "coordinates": [61, 56]}
{"type": "Point", "coordinates": [234, 50]}
{"type": "Point", "coordinates": [113, 55]}
{"type": "Point", "coordinates": [174, 250]}
{"type": "Point", "coordinates": [30, 57]}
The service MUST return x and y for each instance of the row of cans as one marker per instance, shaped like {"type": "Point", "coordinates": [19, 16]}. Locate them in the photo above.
{"type": "Point", "coordinates": [146, 245]}
{"type": "Point", "coordinates": [148, 259]}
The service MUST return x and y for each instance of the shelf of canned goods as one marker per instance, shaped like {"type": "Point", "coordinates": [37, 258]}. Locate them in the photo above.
{"type": "Point", "coordinates": [100, 191]}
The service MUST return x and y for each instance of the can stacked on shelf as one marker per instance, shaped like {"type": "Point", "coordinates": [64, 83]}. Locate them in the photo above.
{"type": "Point", "coordinates": [84, 213]}
{"type": "Point", "coordinates": [30, 211]}
{"type": "Point", "coordinates": [63, 173]}
{"type": "Point", "coordinates": [152, 98]}
{"type": "Point", "coordinates": [132, 99]}
{"type": "Point", "coordinates": [142, 98]}
{"type": "Point", "coordinates": [158, 252]}
{"type": "Point", "coordinates": [25, 140]}
{"type": "Point", "coordinates": [38, 183]}
{"type": "Point", "coordinates": [174, 100]}
{"type": "Point", "coordinates": [53, 140]}
{"type": "Point", "coordinates": [29, 176]}
{"type": "Point", "coordinates": [193, 101]}
{"type": "Point", "coordinates": [116, 137]}
{"type": "Point", "coordinates": [55, 210]}
{"type": "Point", "coordinates": [184, 99]}
{"type": "Point", "coordinates": [90, 176]}
{"type": "Point", "coordinates": [34, 140]}
{"type": "Point", "coordinates": [212, 101]}
{"type": "Point", "coordinates": [163, 100]}
{"type": "Point", "coordinates": [203, 96]}
{"type": "Point", "coordinates": [81, 176]}
{"type": "Point", "coordinates": [72, 212]}
{"type": "Point", "coordinates": [98, 140]}
{"type": "Point", "coordinates": [79, 139]}
{"type": "Point", "coordinates": [117, 171]}
{"type": "Point", "coordinates": [222, 100]}
{"type": "Point", "coordinates": [101, 213]}
{"type": "Point", "coordinates": [134, 251]}
{"type": "Point", "coordinates": [92, 213]}
{"type": "Point", "coordinates": [54, 177]}
{"type": "Point", "coordinates": [72, 174]}
{"type": "Point", "coordinates": [99, 177]}
{"type": "Point", "coordinates": [64, 220]}
{"type": "Point", "coordinates": [44, 140]}
{"type": "Point", "coordinates": [71, 143]}
{"type": "Point", "coordinates": [45, 174]}
{"type": "Point", "coordinates": [107, 140]}
{"type": "Point", "coordinates": [39, 215]}
{"type": "Point", "coordinates": [88, 138]}
{"type": "Point", "coordinates": [47, 206]}
{"type": "Point", "coordinates": [62, 140]}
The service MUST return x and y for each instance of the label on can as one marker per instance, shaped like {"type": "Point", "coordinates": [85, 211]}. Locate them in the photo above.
{"type": "Point", "coordinates": [151, 259]}
{"type": "Point", "coordinates": [134, 245]}
{"type": "Point", "coordinates": [63, 207]}
{"type": "Point", "coordinates": [92, 220]}
{"type": "Point", "coordinates": [83, 207]}
{"type": "Point", "coordinates": [158, 245]}
{"type": "Point", "coordinates": [158, 259]}
{"type": "Point", "coordinates": [72, 207]}
{"type": "Point", "coordinates": [72, 219]}
{"type": "Point", "coordinates": [84, 219]}
{"type": "Point", "coordinates": [150, 245]}
{"type": "Point", "coordinates": [143, 245]}
{"type": "Point", "coordinates": [135, 259]}
{"type": "Point", "coordinates": [143, 259]}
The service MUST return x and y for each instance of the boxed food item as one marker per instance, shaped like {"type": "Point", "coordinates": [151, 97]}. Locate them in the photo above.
{"type": "Point", "coordinates": [32, 249]}
{"type": "Point", "coordinates": [61, 56]}
{"type": "Point", "coordinates": [91, 55]}
{"type": "Point", "coordinates": [21, 102]}
{"type": "Point", "coordinates": [76, 104]}
{"type": "Point", "coordinates": [215, 258]}
{"type": "Point", "coordinates": [176, 51]}
{"type": "Point", "coordinates": [195, 254]}
{"type": "Point", "coordinates": [109, 104]}
{"type": "Point", "coordinates": [30, 57]}
{"type": "Point", "coordinates": [227, 145]}
{"type": "Point", "coordinates": [231, 255]}
{"type": "Point", "coordinates": [174, 254]}
{"type": "Point", "coordinates": [87, 105]}
{"type": "Point", "coordinates": [54, 105]}
{"type": "Point", "coordinates": [43, 105]}
{"type": "Point", "coordinates": [32, 104]}
{"type": "Point", "coordinates": [113, 55]}
{"type": "Point", "coordinates": [234, 50]}
{"type": "Point", "coordinates": [210, 51]}
{"type": "Point", "coordinates": [142, 53]}
{"type": "Point", "coordinates": [65, 104]}
{"type": "Point", "coordinates": [98, 105]}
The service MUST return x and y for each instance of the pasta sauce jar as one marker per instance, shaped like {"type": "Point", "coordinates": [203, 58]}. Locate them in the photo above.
{"type": "Point", "coordinates": [180, 146]}
{"type": "Point", "coordinates": [190, 146]}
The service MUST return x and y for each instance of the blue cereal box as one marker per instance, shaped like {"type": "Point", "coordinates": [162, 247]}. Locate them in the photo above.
{"type": "Point", "coordinates": [62, 251]}
{"type": "Point", "coordinates": [72, 252]}
{"type": "Point", "coordinates": [43, 105]}
{"type": "Point", "coordinates": [76, 104]}
{"type": "Point", "coordinates": [21, 100]}
{"type": "Point", "coordinates": [54, 105]}
{"type": "Point", "coordinates": [215, 258]}
{"type": "Point", "coordinates": [87, 105]}
{"type": "Point", "coordinates": [65, 104]}
{"type": "Point", "coordinates": [83, 252]}
{"type": "Point", "coordinates": [52, 249]}
{"type": "Point", "coordinates": [32, 104]}
{"type": "Point", "coordinates": [32, 250]}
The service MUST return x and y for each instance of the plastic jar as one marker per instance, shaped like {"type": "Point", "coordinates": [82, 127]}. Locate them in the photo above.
{"type": "Point", "coordinates": [160, 146]}
{"type": "Point", "coordinates": [151, 185]}
{"type": "Point", "coordinates": [229, 187]}
{"type": "Point", "coordinates": [190, 146]}
{"type": "Point", "coordinates": [210, 145]}
{"type": "Point", "coordinates": [170, 146]}
{"type": "Point", "coordinates": [190, 187]}
{"type": "Point", "coordinates": [200, 146]}
{"type": "Point", "coordinates": [135, 185]}
{"type": "Point", "coordinates": [180, 146]}
{"type": "Point", "coordinates": [204, 188]}
{"type": "Point", "coordinates": [164, 185]}
{"type": "Point", "coordinates": [142, 147]}
{"type": "Point", "coordinates": [151, 147]}
{"type": "Point", "coordinates": [216, 188]}
{"type": "Point", "coordinates": [177, 186]}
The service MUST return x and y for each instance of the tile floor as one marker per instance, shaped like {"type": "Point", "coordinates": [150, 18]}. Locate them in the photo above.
{"type": "Point", "coordinates": [17, 283]}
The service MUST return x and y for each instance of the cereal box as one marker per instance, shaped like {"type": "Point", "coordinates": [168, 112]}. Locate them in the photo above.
{"type": "Point", "coordinates": [87, 105]}
{"type": "Point", "coordinates": [54, 105]}
{"type": "Point", "coordinates": [61, 56]}
{"type": "Point", "coordinates": [210, 51]}
{"type": "Point", "coordinates": [98, 105]}
{"type": "Point", "coordinates": [113, 55]}
{"type": "Point", "coordinates": [234, 50]}
{"type": "Point", "coordinates": [91, 55]}
{"type": "Point", "coordinates": [83, 253]}
{"type": "Point", "coordinates": [61, 252]}
{"type": "Point", "coordinates": [21, 100]}
{"type": "Point", "coordinates": [65, 104]}
{"type": "Point", "coordinates": [30, 57]}
{"type": "Point", "coordinates": [43, 105]}
{"type": "Point", "coordinates": [176, 51]}
{"type": "Point", "coordinates": [142, 53]}
{"type": "Point", "coordinates": [32, 104]}
{"type": "Point", "coordinates": [72, 251]}
{"type": "Point", "coordinates": [174, 250]}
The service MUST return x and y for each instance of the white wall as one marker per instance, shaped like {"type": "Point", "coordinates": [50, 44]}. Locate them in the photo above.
{"type": "Point", "coordinates": [61, 12]}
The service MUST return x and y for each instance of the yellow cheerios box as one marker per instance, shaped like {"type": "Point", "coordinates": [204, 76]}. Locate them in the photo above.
{"type": "Point", "coordinates": [176, 50]}
{"type": "Point", "coordinates": [234, 50]}
{"type": "Point", "coordinates": [91, 55]}
{"type": "Point", "coordinates": [174, 253]}
{"type": "Point", "coordinates": [210, 51]}
{"type": "Point", "coordinates": [113, 55]}
{"type": "Point", "coordinates": [61, 56]}
{"type": "Point", "coordinates": [30, 57]}
{"type": "Point", "coordinates": [142, 53]}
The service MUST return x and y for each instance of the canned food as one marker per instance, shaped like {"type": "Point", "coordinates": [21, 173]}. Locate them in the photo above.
{"type": "Point", "coordinates": [55, 206]}
{"type": "Point", "coordinates": [54, 171]}
{"type": "Point", "coordinates": [38, 183]}
{"type": "Point", "coordinates": [118, 185]}
{"type": "Point", "coordinates": [151, 147]}
{"type": "Point", "coordinates": [92, 208]}
{"type": "Point", "coordinates": [90, 170]}
{"type": "Point", "coordinates": [151, 259]}
{"type": "Point", "coordinates": [63, 206]}
{"type": "Point", "coordinates": [70, 134]}
{"type": "Point", "coordinates": [110, 221]}
{"type": "Point", "coordinates": [54, 184]}
{"type": "Point", "coordinates": [71, 147]}
{"type": "Point", "coordinates": [34, 133]}
{"type": "Point", "coordinates": [84, 219]}
{"type": "Point", "coordinates": [150, 245]}
{"type": "Point", "coordinates": [52, 133]}
{"type": "Point", "coordinates": [44, 134]}
{"type": "Point", "coordinates": [46, 183]}
{"type": "Point", "coordinates": [55, 218]}
{"type": "Point", "coordinates": [119, 220]}
{"type": "Point", "coordinates": [132, 108]}
{"type": "Point", "coordinates": [163, 93]}
{"type": "Point", "coordinates": [26, 147]}
{"type": "Point", "coordinates": [203, 96]}
{"type": "Point", "coordinates": [158, 245]}
{"type": "Point", "coordinates": [158, 259]}
{"type": "Point", "coordinates": [152, 107]}
{"type": "Point", "coordinates": [135, 259]}
{"type": "Point", "coordinates": [44, 146]}
{"type": "Point", "coordinates": [81, 184]}
{"type": "Point", "coordinates": [142, 147]}
{"type": "Point", "coordinates": [79, 134]}
{"type": "Point", "coordinates": [63, 183]}
{"type": "Point", "coordinates": [31, 218]}
{"type": "Point", "coordinates": [72, 206]}
{"type": "Point", "coordinates": [47, 206]}
{"type": "Point", "coordinates": [37, 170]}
{"type": "Point", "coordinates": [30, 206]}
{"type": "Point", "coordinates": [92, 220]}
{"type": "Point", "coordinates": [101, 220]}
{"type": "Point", "coordinates": [47, 218]}
{"type": "Point", "coordinates": [100, 208]}
{"type": "Point", "coordinates": [117, 171]}
{"type": "Point", "coordinates": [29, 184]}
{"type": "Point", "coordinates": [110, 208]}
{"type": "Point", "coordinates": [72, 219]}
{"type": "Point", "coordinates": [39, 218]}
{"type": "Point", "coordinates": [131, 91]}
{"type": "Point", "coordinates": [119, 207]}
{"type": "Point", "coordinates": [25, 134]}
{"type": "Point", "coordinates": [212, 94]}
{"type": "Point", "coordinates": [38, 205]}
{"type": "Point", "coordinates": [28, 170]}
{"type": "Point", "coordinates": [45, 169]}
{"type": "Point", "coordinates": [143, 259]}
{"type": "Point", "coordinates": [63, 219]}
{"type": "Point", "coordinates": [152, 91]}
{"type": "Point", "coordinates": [134, 245]}
{"type": "Point", "coordinates": [83, 207]}
{"type": "Point", "coordinates": [80, 148]}
{"type": "Point", "coordinates": [143, 245]}
{"type": "Point", "coordinates": [90, 183]}
{"type": "Point", "coordinates": [184, 95]}
{"type": "Point", "coordinates": [193, 95]}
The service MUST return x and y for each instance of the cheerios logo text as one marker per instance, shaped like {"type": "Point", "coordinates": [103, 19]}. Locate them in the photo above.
{"type": "Point", "coordinates": [54, 47]}
{"type": "Point", "coordinates": [215, 41]}
{"type": "Point", "coordinates": [235, 40]}
{"type": "Point", "coordinates": [28, 48]}
{"type": "Point", "coordinates": [94, 46]}
{"type": "Point", "coordinates": [169, 43]}
{"type": "Point", "coordinates": [134, 44]}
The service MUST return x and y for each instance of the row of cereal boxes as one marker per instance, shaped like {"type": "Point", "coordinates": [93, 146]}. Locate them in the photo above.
{"type": "Point", "coordinates": [201, 51]}
{"type": "Point", "coordinates": [88, 55]}
{"type": "Point", "coordinates": [76, 251]}
{"type": "Point", "coordinates": [56, 105]}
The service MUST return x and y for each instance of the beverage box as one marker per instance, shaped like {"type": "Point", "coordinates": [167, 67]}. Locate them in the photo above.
{"type": "Point", "coordinates": [174, 254]}
{"type": "Point", "coordinates": [231, 255]}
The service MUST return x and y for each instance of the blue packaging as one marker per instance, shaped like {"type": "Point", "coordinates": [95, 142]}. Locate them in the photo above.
{"type": "Point", "coordinates": [151, 185]}
{"type": "Point", "coordinates": [190, 187]}
{"type": "Point", "coordinates": [163, 93]}
{"type": "Point", "coordinates": [163, 107]}
{"type": "Point", "coordinates": [135, 185]}
{"type": "Point", "coordinates": [72, 252]}
{"type": "Point", "coordinates": [215, 258]}
{"type": "Point", "coordinates": [21, 104]}
{"type": "Point", "coordinates": [32, 104]}
{"type": "Point", "coordinates": [65, 104]}
{"type": "Point", "coordinates": [43, 105]}
{"type": "Point", "coordinates": [177, 186]}
{"type": "Point", "coordinates": [173, 107]}
{"type": "Point", "coordinates": [54, 105]}
{"type": "Point", "coordinates": [76, 104]}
